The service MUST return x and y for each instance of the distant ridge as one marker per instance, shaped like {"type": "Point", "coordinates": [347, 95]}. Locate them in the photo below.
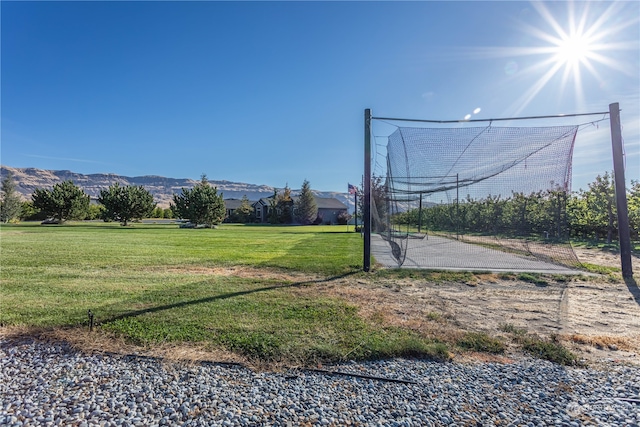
{"type": "Point", "coordinates": [162, 188]}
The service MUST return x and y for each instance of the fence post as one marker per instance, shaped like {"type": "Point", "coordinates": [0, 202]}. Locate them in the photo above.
{"type": "Point", "coordinates": [624, 231]}
{"type": "Point", "coordinates": [366, 211]}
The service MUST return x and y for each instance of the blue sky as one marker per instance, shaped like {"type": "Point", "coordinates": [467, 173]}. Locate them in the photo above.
{"type": "Point", "coordinates": [274, 92]}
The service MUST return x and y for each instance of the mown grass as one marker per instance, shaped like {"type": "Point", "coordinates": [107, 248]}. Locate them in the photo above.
{"type": "Point", "coordinates": [319, 249]}
{"type": "Point", "coordinates": [150, 284]}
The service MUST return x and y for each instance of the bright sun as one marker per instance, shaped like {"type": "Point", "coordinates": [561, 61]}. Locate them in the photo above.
{"type": "Point", "coordinates": [573, 50]}
{"type": "Point", "coordinates": [583, 41]}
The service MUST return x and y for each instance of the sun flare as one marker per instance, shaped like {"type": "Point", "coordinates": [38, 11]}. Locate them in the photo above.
{"type": "Point", "coordinates": [573, 50]}
{"type": "Point", "coordinates": [583, 43]}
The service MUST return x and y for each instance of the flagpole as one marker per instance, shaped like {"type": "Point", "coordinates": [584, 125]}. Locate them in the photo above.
{"type": "Point", "coordinates": [355, 213]}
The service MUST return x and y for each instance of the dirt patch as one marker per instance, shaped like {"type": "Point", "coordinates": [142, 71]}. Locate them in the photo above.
{"type": "Point", "coordinates": [598, 257]}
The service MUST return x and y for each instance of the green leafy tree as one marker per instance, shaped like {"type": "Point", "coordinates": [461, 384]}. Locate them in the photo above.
{"type": "Point", "coordinates": [10, 202]}
{"type": "Point", "coordinates": [306, 209]}
{"type": "Point", "coordinates": [127, 203]}
{"type": "Point", "coordinates": [65, 201]}
{"type": "Point", "coordinates": [158, 212]}
{"type": "Point", "coordinates": [167, 213]}
{"type": "Point", "coordinates": [274, 218]}
{"type": "Point", "coordinates": [285, 206]}
{"type": "Point", "coordinates": [602, 207]}
{"type": "Point", "coordinates": [95, 212]}
{"type": "Point", "coordinates": [244, 213]}
{"type": "Point", "coordinates": [633, 202]}
{"type": "Point", "coordinates": [31, 213]}
{"type": "Point", "coordinates": [201, 205]}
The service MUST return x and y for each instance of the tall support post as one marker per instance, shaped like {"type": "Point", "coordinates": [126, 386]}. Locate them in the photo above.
{"type": "Point", "coordinates": [624, 232]}
{"type": "Point", "coordinates": [366, 209]}
{"type": "Point", "coordinates": [457, 206]}
{"type": "Point", "coordinates": [355, 213]}
{"type": "Point", "coordinates": [420, 215]}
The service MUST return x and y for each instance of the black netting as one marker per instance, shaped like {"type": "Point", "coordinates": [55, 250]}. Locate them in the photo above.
{"type": "Point", "coordinates": [497, 188]}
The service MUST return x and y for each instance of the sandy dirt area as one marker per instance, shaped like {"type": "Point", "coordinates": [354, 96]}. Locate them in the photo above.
{"type": "Point", "coordinates": [598, 317]}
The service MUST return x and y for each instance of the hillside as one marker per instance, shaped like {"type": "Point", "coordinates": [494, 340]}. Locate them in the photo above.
{"type": "Point", "coordinates": [162, 188]}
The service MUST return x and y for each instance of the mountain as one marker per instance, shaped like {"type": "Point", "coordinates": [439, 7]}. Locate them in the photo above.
{"type": "Point", "coordinates": [162, 189]}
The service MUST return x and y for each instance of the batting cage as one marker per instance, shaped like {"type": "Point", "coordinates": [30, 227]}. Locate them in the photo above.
{"type": "Point", "coordinates": [470, 195]}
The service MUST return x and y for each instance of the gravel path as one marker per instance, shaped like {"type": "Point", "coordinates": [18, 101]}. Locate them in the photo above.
{"type": "Point", "coordinates": [46, 384]}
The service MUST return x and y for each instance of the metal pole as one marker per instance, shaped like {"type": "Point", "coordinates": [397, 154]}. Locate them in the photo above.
{"type": "Point", "coordinates": [556, 116]}
{"type": "Point", "coordinates": [355, 213]}
{"type": "Point", "coordinates": [420, 215]}
{"type": "Point", "coordinates": [624, 232]}
{"type": "Point", "coordinates": [366, 265]}
{"type": "Point", "coordinates": [457, 207]}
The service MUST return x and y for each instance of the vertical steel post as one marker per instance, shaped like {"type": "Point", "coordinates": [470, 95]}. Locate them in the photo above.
{"type": "Point", "coordinates": [457, 207]}
{"type": "Point", "coordinates": [366, 209]}
{"type": "Point", "coordinates": [420, 215]}
{"type": "Point", "coordinates": [355, 213]}
{"type": "Point", "coordinates": [624, 232]}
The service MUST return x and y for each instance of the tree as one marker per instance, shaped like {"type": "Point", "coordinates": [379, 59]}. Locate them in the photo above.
{"type": "Point", "coordinates": [126, 203]}
{"type": "Point", "coordinates": [29, 213]}
{"type": "Point", "coordinates": [379, 206]}
{"type": "Point", "coordinates": [167, 213]}
{"type": "Point", "coordinates": [273, 208]}
{"type": "Point", "coordinates": [95, 212]}
{"type": "Point", "coordinates": [633, 201]}
{"type": "Point", "coordinates": [10, 202]}
{"type": "Point", "coordinates": [201, 205]}
{"type": "Point", "coordinates": [306, 210]}
{"type": "Point", "coordinates": [158, 212]}
{"type": "Point", "coordinates": [285, 206]}
{"type": "Point", "coordinates": [602, 207]}
{"type": "Point", "coordinates": [63, 202]}
{"type": "Point", "coordinates": [244, 213]}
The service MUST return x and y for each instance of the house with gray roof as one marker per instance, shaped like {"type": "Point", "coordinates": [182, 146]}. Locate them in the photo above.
{"type": "Point", "coordinates": [230, 205]}
{"type": "Point", "coordinates": [328, 209]}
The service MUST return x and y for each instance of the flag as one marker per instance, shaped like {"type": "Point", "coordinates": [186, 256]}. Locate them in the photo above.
{"type": "Point", "coordinates": [352, 189]}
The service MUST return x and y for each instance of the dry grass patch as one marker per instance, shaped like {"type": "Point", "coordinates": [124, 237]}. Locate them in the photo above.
{"type": "Point", "coordinates": [604, 342]}
{"type": "Point", "coordinates": [240, 271]}
{"type": "Point", "coordinates": [386, 306]}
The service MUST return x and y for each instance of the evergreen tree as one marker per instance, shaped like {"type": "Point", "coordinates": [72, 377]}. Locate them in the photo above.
{"type": "Point", "coordinates": [10, 203]}
{"type": "Point", "coordinates": [200, 205]}
{"type": "Point", "coordinates": [244, 213]}
{"type": "Point", "coordinates": [306, 209]}
{"type": "Point", "coordinates": [126, 203]}
{"type": "Point", "coordinates": [63, 202]}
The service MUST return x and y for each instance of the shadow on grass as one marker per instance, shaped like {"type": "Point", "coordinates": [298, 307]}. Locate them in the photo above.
{"type": "Point", "coordinates": [218, 297]}
{"type": "Point", "coordinates": [632, 285]}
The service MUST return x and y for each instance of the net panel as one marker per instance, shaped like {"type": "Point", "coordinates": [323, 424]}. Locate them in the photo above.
{"type": "Point", "coordinates": [500, 189]}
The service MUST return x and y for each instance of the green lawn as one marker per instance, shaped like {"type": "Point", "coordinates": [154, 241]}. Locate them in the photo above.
{"type": "Point", "coordinates": [150, 283]}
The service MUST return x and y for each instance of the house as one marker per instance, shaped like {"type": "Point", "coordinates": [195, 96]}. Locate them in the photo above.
{"type": "Point", "coordinates": [231, 205]}
{"type": "Point", "coordinates": [328, 209]}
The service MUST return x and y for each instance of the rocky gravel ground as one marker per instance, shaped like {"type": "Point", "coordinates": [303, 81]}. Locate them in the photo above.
{"type": "Point", "coordinates": [52, 384]}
